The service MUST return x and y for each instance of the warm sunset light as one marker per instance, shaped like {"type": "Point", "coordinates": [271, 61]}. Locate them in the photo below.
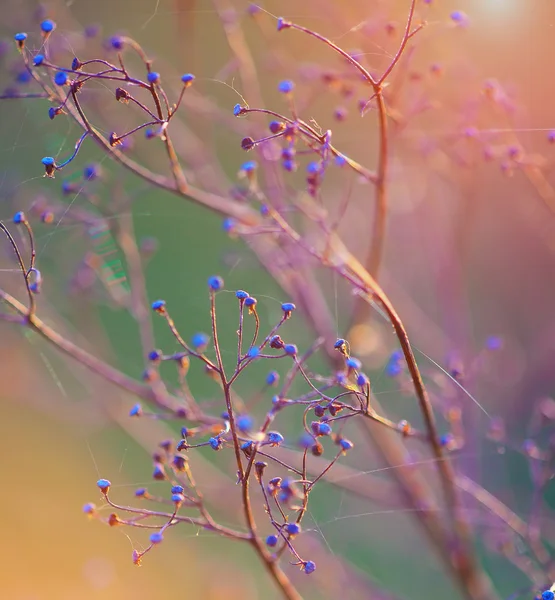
{"type": "Point", "coordinates": [276, 300]}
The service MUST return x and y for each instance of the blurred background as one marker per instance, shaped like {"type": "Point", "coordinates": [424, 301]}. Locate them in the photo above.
{"type": "Point", "coordinates": [468, 263]}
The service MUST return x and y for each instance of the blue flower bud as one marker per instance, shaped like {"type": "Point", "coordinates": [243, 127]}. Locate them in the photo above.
{"type": "Point", "coordinates": [345, 444]}
{"type": "Point", "coordinates": [179, 463]}
{"type": "Point", "coordinates": [275, 438]}
{"type": "Point", "coordinates": [159, 306]}
{"type": "Point", "coordinates": [60, 78]}
{"type": "Point", "coordinates": [241, 295]}
{"type": "Point", "coordinates": [136, 411]}
{"type": "Point", "coordinates": [154, 355]}
{"type": "Point", "coordinates": [394, 366]}
{"type": "Point", "coordinates": [153, 77]}
{"type": "Point", "coordinates": [116, 42]}
{"type": "Point", "coordinates": [47, 26]}
{"type": "Point", "coordinates": [289, 165]}
{"type": "Point", "coordinates": [158, 472]}
{"type": "Point", "coordinates": [306, 441]}
{"type": "Point", "coordinates": [324, 429]}
{"type": "Point", "coordinates": [238, 110]}
{"type": "Point", "coordinates": [288, 152]}
{"type": "Point", "coordinates": [245, 423]}
{"type": "Point", "coordinates": [215, 283]}
{"type": "Point", "coordinates": [309, 567]}
{"type": "Point", "coordinates": [38, 60]}
{"type": "Point", "coordinates": [288, 307]}
{"type": "Point", "coordinates": [272, 378]}
{"type": "Point", "coordinates": [286, 86]}
{"type": "Point", "coordinates": [156, 538]}
{"type": "Point", "coordinates": [215, 443]}
{"type": "Point", "coordinates": [253, 352]}
{"type": "Point", "coordinates": [340, 378]}
{"type": "Point", "coordinates": [271, 541]}
{"type": "Point", "coordinates": [393, 369]}
{"type": "Point", "coordinates": [291, 349]}
{"type": "Point", "coordinates": [249, 166]}
{"type": "Point", "coordinates": [200, 340]}
{"type": "Point", "coordinates": [104, 485]}
{"type": "Point", "coordinates": [187, 79]}
{"type": "Point", "coordinates": [353, 363]}
{"type": "Point", "coordinates": [23, 77]}
{"type": "Point", "coordinates": [276, 126]}
{"type": "Point", "coordinates": [458, 17]}
{"type": "Point", "coordinates": [293, 528]}
{"type": "Point", "coordinates": [229, 224]}
{"type": "Point", "coordinates": [282, 24]}
{"type": "Point", "coordinates": [247, 447]}
{"type": "Point", "coordinates": [91, 172]}
{"type": "Point", "coordinates": [362, 380]}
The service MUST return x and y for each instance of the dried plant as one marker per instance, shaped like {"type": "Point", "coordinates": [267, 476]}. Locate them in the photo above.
{"type": "Point", "coordinates": [322, 398]}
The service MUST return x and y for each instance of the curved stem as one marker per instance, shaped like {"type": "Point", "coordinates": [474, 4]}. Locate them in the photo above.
{"type": "Point", "coordinates": [345, 264]}
{"type": "Point", "coordinates": [213, 202]}
{"type": "Point", "coordinates": [95, 364]}
{"type": "Point", "coordinates": [281, 580]}
{"type": "Point", "coordinates": [177, 171]}
{"type": "Point", "coordinates": [380, 213]}
{"type": "Point", "coordinates": [462, 555]}
{"type": "Point", "coordinates": [279, 577]}
{"type": "Point", "coordinates": [375, 254]}
{"type": "Point", "coordinates": [25, 272]}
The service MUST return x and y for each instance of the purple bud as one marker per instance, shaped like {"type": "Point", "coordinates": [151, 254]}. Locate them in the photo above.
{"type": "Point", "coordinates": [47, 26]}
{"type": "Point", "coordinates": [104, 485]}
{"type": "Point", "coordinates": [187, 79]}
{"type": "Point", "coordinates": [286, 86]}
{"type": "Point", "coordinates": [283, 24]}
{"type": "Point", "coordinates": [215, 283]}
{"type": "Point", "coordinates": [153, 77]}
{"type": "Point", "coordinates": [309, 567]}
